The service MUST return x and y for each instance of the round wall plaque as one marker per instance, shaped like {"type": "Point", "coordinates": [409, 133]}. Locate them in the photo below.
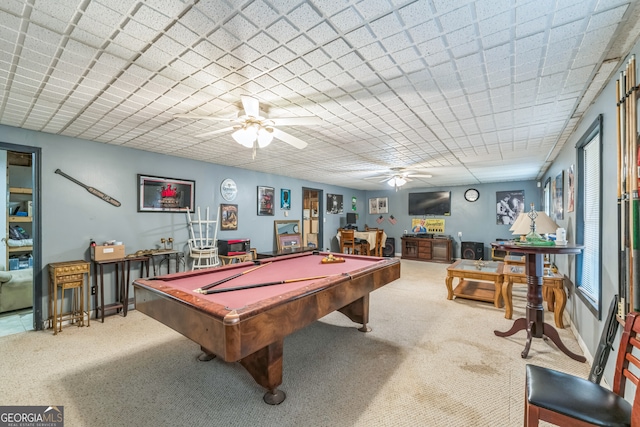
{"type": "Point", "coordinates": [228, 189]}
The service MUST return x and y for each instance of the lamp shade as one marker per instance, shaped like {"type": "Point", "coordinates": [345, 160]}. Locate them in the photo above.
{"type": "Point", "coordinates": [522, 217]}
{"type": "Point", "coordinates": [543, 224]}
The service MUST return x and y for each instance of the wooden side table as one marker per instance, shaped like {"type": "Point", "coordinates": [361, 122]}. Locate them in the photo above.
{"type": "Point", "coordinates": [552, 291]}
{"type": "Point", "coordinates": [63, 276]}
{"type": "Point", "coordinates": [122, 270]}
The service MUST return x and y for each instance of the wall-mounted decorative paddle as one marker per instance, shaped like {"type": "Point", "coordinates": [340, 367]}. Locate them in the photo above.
{"type": "Point", "coordinates": [91, 190]}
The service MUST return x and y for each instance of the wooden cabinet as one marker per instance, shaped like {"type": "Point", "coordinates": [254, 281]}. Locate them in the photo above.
{"type": "Point", "coordinates": [423, 249]}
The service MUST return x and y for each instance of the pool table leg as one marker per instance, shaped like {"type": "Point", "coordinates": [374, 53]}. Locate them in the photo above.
{"type": "Point", "coordinates": [358, 312]}
{"type": "Point", "coordinates": [265, 366]}
{"type": "Point", "coordinates": [206, 355]}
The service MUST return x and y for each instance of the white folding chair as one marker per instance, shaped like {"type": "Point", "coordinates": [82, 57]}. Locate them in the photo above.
{"type": "Point", "coordinates": [203, 248]}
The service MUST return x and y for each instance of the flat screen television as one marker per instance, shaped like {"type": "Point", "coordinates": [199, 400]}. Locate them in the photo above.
{"type": "Point", "coordinates": [430, 203]}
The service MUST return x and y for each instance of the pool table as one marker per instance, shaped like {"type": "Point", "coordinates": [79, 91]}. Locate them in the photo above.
{"type": "Point", "coordinates": [249, 325]}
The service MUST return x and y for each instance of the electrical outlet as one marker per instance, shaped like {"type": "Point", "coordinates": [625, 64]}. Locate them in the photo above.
{"type": "Point", "coordinates": [93, 290]}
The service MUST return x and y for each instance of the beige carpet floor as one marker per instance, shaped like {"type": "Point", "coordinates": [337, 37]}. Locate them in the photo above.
{"type": "Point", "coordinates": [428, 362]}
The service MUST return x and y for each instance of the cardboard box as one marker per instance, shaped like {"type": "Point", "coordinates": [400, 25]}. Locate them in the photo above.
{"type": "Point", "coordinates": [106, 253]}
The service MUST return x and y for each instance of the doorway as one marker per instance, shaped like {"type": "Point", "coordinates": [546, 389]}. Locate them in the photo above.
{"type": "Point", "coordinates": [20, 246]}
{"type": "Point", "coordinates": [312, 217]}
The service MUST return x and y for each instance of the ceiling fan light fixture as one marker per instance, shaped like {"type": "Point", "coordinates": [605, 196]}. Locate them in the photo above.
{"type": "Point", "coordinates": [265, 136]}
{"type": "Point", "coordinates": [244, 137]}
{"type": "Point", "coordinates": [397, 181]}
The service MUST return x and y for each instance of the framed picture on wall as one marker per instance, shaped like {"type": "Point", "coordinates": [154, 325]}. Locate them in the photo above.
{"type": "Point", "coordinates": [546, 199]}
{"type": "Point", "coordinates": [557, 192]}
{"type": "Point", "coordinates": [379, 205]}
{"type": "Point", "coordinates": [157, 194]}
{"type": "Point", "coordinates": [285, 199]}
{"type": "Point", "coordinates": [265, 200]}
{"type": "Point", "coordinates": [334, 204]}
{"type": "Point", "coordinates": [509, 204]}
{"type": "Point", "coordinates": [228, 217]}
{"type": "Point", "coordinates": [570, 189]}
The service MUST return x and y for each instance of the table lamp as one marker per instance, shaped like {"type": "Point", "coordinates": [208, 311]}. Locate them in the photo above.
{"type": "Point", "coordinates": [532, 224]}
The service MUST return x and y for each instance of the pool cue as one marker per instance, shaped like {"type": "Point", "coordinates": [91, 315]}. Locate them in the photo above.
{"type": "Point", "coordinates": [259, 285]}
{"type": "Point", "coordinates": [622, 276]}
{"type": "Point", "coordinates": [221, 281]}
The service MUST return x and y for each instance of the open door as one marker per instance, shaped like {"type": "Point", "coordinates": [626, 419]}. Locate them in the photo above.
{"type": "Point", "coordinates": [312, 217]}
{"type": "Point", "coordinates": [22, 310]}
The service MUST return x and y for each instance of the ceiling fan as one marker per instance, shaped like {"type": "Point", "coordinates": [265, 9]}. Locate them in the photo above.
{"type": "Point", "coordinates": [397, 177]}
{"type": "Point", "coordinates": [253, 128]}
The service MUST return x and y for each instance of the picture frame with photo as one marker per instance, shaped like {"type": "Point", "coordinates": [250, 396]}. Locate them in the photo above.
{"type": "Point", "coordinates": [335, 204]}
{"type": "Point", "coordinates": [509, 204]}
{"type": "Point", "coordinates": [228, 217]}
{"type": "Point", "coordinates": [265, 200]}
{"type": "Point", "coordinates": [557, 193]}
{"type": "Point", "coordinates": [285, 199]}
{"type": "Point", "coordinates": [378, 205]}
{"type": "Point", "coordinates": [160, 194]}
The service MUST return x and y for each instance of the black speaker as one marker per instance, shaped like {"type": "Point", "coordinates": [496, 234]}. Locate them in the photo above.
{"type": "Point", "coordinates": [389, 249]}
{"type": "Point", "coordinates": [472, 250]}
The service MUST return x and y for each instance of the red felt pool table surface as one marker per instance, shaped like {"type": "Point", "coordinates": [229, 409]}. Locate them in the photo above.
{"type": "Point", "coordinates": [250, 325]}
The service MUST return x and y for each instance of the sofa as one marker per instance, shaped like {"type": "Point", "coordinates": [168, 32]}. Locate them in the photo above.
{"type": "Point", "coordinates": [16, 289]}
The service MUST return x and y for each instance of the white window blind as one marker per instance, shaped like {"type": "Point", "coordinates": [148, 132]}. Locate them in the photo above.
{"type": "Point", "coordinates": [591, 216]}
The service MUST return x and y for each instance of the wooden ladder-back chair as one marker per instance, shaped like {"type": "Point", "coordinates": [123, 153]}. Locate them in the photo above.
{"type": "Point", "coordinates": [203, 244]}
{"type": "Point", "coordinates": [347, 241]}
{"type": "Point", "coordinates": [567, 400]}
{"type": "Point", "coordinates": [377, 251]}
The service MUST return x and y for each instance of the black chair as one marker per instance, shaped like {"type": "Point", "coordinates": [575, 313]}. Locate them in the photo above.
{"type": "Point", "coordinates": [566, 400]}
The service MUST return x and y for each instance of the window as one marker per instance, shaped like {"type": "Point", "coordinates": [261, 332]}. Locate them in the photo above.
{"type": "Point", "coordinates": [589, 218]}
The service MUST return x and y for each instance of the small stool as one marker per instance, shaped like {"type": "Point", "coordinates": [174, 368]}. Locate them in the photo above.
{"type": "Point", "coordinates": [63, 276]}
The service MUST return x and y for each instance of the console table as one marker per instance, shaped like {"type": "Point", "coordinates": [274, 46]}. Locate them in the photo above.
{"type": "Point", "coordinates": [425, 249]}
{"type": "Point", "coordinates": [534, 322]}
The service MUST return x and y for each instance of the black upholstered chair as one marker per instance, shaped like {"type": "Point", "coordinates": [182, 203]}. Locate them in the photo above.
{"type": "Point", "coordinates": [566, 400]}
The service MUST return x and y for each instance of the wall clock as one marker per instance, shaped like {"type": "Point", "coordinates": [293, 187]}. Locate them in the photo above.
{"type": "Point", "coordinates": [228, 189]}
{"type": "Point", "coordinates": [471, 195]}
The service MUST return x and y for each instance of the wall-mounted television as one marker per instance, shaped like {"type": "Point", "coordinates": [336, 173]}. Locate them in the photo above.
{"type": "Point", "coordinates": [430, 203]}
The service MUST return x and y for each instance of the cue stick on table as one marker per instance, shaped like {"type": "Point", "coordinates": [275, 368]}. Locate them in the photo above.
{"type": "Point", "coordinates": [259, 285]}
{"type": "Point", "coordinates": [221, 281]}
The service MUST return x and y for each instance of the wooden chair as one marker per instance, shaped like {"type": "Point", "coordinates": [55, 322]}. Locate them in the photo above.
{"type": "Point", "coordinates": [566, 400]}
{"type": "Point", "coordinates": [377, 251]}
{"type": "Point", "coordinates": [347, 241]}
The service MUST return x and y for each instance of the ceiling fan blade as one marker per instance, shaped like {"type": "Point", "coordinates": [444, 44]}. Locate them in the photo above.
{"type": "Point", "coordinates": [251, 105]}
{"type": "Point", "coordinates": [385, 177]}
{"type": "Point", "coordinates": [289, 139]}
{"type": "Point", "coordinates": [213, 132]}
{"type": "Point", "coordinates": [296, 121]}
{"type": "Point", "coordinates": [412, 175]}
